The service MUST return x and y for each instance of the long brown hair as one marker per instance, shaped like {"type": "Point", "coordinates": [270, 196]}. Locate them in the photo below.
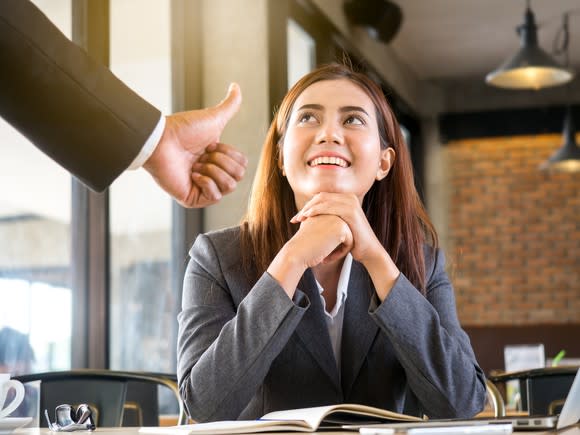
{"type": "Point", "coordinates": [392, 205]}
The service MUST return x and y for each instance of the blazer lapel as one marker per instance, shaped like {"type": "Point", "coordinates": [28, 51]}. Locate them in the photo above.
{"type": "Point", "coordinates": [313, 331]}
{"type": "Point", "coordinates": [358, 330]}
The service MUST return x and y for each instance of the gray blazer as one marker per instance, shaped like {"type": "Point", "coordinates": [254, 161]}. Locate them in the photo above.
{"type": "Point", "coordinates": [245, 348]}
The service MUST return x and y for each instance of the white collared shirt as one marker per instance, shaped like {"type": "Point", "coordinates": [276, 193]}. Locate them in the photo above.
{"type": "Point", "coordinates": [335, 318]}
{"type": "Point", "coordinates": [149, 146]}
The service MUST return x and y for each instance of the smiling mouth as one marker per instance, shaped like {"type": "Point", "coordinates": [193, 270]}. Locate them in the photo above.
{"type": "Point", "coordinates": [328, 161]}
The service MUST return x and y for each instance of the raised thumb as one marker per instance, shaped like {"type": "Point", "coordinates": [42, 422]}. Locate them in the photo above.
{"type": "Point", "coordinates": [230, 105]}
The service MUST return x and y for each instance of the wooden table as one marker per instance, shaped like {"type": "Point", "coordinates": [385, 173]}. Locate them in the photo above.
{"type": "Point", "coordinates": [135, 431]}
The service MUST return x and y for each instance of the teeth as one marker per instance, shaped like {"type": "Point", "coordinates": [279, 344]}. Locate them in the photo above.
{"type": "Point", "coordinates": [337, 161]}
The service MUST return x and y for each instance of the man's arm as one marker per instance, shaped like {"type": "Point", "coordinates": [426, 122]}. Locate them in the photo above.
{"type": "Point", "coordinates": [69, 106]}
{"type": "Point", "coordinates": [81, 115]}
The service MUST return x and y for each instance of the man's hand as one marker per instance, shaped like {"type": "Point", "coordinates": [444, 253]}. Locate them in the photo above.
{"type": "Point", "coordinates": [190, 163]}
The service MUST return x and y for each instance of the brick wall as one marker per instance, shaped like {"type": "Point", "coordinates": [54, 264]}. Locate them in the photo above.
{"type": "Point", "coordinates": [513, 242]}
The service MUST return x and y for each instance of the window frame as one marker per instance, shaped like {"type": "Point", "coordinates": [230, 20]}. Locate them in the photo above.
{"type": "Point", "coordinates": [91, 256]}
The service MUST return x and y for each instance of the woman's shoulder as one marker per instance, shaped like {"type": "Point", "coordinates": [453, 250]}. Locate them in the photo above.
{"type": "Point", "coordinates": [222, 239]}
{"type": "Point", "coordinates": [224, 233]}
{"type": "Point", "coordinates": [221, 246]}
{"type": "Point", "coordinates": [434, 259]}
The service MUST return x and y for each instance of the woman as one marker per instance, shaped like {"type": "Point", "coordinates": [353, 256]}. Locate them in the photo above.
{"type": "Point", "coordinates": [332, 290]}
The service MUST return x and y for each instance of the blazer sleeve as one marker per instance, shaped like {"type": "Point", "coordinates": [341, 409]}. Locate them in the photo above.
{"type": "Point", "coordinates": [69, 106]}
{"type": "Point", "coordinates": [224, 351]}
{"type": "Point", "coordinates": [435, 352]}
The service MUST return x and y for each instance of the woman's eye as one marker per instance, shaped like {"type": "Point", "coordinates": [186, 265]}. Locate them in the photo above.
{"type": "Point", "coordinates": [306, 117]}
{"type": "Point", "coordinates": [354, 120]}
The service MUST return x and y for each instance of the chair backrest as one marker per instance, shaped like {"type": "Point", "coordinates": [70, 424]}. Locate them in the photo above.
{"type": "Point", "coordinates": [542, 390]}
{"type": "Point", "coordinates": [118, 398]}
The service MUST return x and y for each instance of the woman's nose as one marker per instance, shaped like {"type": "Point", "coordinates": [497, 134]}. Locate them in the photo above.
{"type": "Point", "coordinates": [329, 132]}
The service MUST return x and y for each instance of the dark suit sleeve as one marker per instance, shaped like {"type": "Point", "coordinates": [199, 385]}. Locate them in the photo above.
{"type": "Point", "coordinates": [435, 352]}
{"type": "Point", "coordinates": [72, 108]}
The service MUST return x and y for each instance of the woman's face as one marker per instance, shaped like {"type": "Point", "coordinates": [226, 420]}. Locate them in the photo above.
{"type": "Point", "coordinates": [332, 142]}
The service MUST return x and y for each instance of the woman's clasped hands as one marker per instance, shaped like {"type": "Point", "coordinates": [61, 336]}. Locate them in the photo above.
{"type": "Point", "coordinates": [365, 245]}
{"type": "Point", "coordinates": [321, 239]}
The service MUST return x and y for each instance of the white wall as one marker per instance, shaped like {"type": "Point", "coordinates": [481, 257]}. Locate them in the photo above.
{"type": "Point", "coordinates": [234, 48]}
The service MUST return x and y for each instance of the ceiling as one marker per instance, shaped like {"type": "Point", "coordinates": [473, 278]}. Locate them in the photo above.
{"type": "Point", "coordinates": [443, 40]}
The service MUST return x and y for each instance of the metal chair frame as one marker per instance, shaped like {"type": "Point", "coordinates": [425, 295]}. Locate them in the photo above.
{"type": "Point", "coordinates": [495, 398]}
{"type": "Point", "coordinates": [122, 377]}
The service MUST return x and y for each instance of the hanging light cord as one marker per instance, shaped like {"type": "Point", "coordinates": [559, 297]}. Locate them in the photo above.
{"type": "Point", "coordinates": [562, 40]}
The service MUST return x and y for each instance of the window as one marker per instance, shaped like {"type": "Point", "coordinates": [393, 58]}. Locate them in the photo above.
{"type": "Point", "coordinates": [35, 272]}
{"type": "Point", "coordinates": [301, 52]}
{"type": "Point", "coordinates": [141, 300]}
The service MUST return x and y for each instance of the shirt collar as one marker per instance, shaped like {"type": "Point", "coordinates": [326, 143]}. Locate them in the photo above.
{"type": "Point", "coordinates": [342, 287]}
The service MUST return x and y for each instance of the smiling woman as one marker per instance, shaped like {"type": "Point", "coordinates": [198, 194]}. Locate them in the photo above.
{"type": "Point", "coordinates": [333, 289]}
{"type": "Point", "coordinates": [334, 139]}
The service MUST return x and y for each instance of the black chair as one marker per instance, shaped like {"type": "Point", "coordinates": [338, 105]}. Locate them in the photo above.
{"type": "Point", "coordinates": [542, 390]}
{"type": "Point", "coordinates": [118, 398]}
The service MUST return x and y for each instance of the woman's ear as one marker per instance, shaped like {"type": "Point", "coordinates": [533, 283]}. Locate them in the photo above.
{"type": "Point", "coordinates": [385, 163]}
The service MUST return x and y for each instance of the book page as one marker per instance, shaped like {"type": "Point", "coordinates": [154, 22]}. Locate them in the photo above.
{"type": "Point", "coordinates": [230, 427]}
{"type": "Point", "coordinates": [292, 420]}
{"type": "Point", "coordinates": [313, 417]}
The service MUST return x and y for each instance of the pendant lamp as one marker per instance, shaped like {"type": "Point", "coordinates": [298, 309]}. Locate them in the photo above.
{"type": "Point", "coordinates": [531, 67]}
{"type": "Point", "coordinates": [567, 158]}
{"type": "Point", "coordinates": [380, 18]}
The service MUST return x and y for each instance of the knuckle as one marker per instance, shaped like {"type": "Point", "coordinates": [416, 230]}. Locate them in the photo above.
{"type": "Point", "coordinates": [230, 185]}
{"type": "Point", "coordinates": [239, 174]}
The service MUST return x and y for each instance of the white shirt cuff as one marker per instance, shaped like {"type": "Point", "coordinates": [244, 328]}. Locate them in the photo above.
{"type": "Point", "coordinates": [149, 145]}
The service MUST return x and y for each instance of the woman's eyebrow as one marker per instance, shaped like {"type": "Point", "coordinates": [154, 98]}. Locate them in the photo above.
{"type": "Point", "coordinates": [343, 109]}
{"type": "Point", "coordinates": [353, 109]}
{"type": "Point", "coordinates": [311, 106]}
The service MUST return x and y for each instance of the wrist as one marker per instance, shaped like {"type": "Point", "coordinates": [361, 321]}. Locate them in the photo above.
{"type": "Point", "coordinates": [383, 272]}
{"type": "Point", "coordinates": [151, 149]}
{"type": "Point", "coordinates": [376, 255]}
{"type": "Point", "coordinates": [287, 268]}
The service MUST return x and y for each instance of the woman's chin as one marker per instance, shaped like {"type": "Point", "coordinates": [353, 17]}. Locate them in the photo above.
{"type": "Point", "coordinates": [303, 197]}
{"type": "Point", "coordinates": [330, 188]}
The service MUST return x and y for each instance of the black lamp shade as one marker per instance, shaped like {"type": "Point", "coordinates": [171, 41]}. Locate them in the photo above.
{"type": "Point", "coordinates": [567, 158]}
{"type": "Point", "coordinates": [531, 67]}
{"type": "Point", "coordinates": [381, 18]}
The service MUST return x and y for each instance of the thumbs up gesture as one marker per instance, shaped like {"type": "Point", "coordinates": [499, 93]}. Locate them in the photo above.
{"type": "Point", "coordinates": [190, 163]}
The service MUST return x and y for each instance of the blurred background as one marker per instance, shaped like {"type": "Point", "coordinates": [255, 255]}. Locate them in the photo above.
{"type": "Point", "coordinates": [94, 280]}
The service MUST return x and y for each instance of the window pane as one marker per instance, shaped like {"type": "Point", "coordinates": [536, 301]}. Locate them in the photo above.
{"type": "Point", "coordinates": [35, 239]}
{"type": "Point", "coordinates": [141, 298]}
{"type": "Point", "coordinates": [35, 290]}
{"type": "Point", "coordinates": [301, 52]}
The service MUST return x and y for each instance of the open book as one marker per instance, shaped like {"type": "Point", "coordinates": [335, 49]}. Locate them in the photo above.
{"type": "Point", "coordinates": [293, 420]}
